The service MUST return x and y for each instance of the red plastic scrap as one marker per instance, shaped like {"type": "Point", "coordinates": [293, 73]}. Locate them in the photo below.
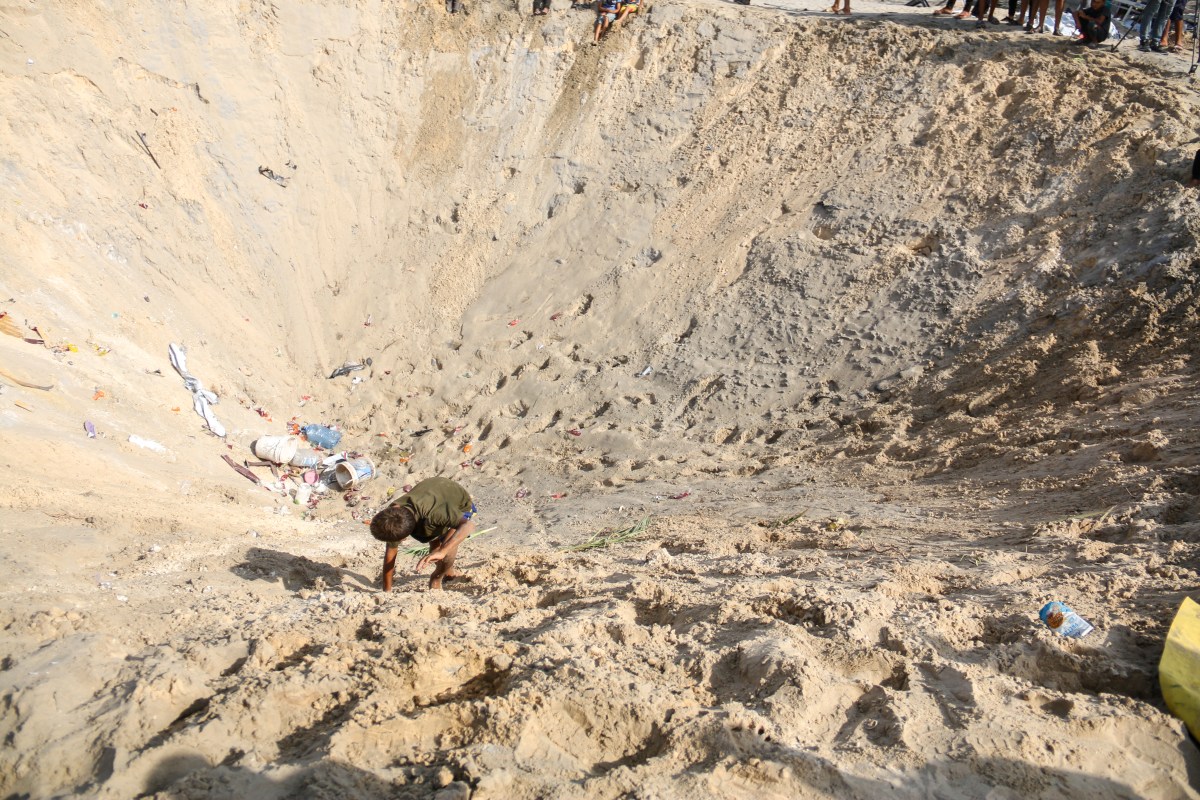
{"type": "Point", "coordinates": [575, 432]}
{"type": "Point", "coordinates": [555, 317]}
{"type": "Point", "coordinates": [512, 323]}
{"type": "Point", "coordinates": [559, 496]}
{"type": "Point", "coordinates": [680, 496]}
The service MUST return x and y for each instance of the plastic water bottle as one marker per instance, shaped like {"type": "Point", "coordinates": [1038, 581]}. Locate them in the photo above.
{"type": "Point", "coordinates": [320, 436]}
{"type": "Point", "coordinates": [306, 458]}
{"type": "Point", "coordinates": [1061, 618]}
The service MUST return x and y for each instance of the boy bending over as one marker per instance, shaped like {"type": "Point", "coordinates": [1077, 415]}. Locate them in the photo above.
{"type": "Point", "coordinates": [436, 512]}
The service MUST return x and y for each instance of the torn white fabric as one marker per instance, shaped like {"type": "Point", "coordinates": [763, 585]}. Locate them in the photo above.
{"type": "Point", "coordinates": [201, 397]}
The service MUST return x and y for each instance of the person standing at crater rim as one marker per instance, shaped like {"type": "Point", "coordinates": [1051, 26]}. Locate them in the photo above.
{"type": "Point", "coordinates": [437, 512]}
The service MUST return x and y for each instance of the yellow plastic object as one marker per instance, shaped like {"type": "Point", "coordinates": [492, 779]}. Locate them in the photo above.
{"type": "Point", "coordinates": [1179, 670]}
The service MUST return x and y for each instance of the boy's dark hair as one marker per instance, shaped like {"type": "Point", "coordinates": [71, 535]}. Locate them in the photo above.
{"type": "Point", "coordinates": [393, 524]}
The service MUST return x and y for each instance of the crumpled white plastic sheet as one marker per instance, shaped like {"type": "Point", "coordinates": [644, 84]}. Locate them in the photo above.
{"type": "Point", "coordinates": [201, 397]}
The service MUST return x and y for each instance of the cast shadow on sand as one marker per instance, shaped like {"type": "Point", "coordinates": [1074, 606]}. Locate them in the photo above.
{"type": "Point", "coordinates": [182, 776]}
{"type": "Point", "coordinates": [296, 572]}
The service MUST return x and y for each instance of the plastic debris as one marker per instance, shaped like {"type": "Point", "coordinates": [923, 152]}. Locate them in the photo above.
{"type": "Point", "coordinates": [90, 428]}
{"type": "Point", "coordinates": [512, 323]}
{"type": "Point", "coordinates": [558, 496]}
{"type": "Point", "coordinates": [321, 436]}
{"type": "Point", "coordinates": [646, 372]}
{"type": "Point", "coordinates": [575, 432]}
{"type": "Point", "coordinates": [347, 368]}
{"type": "Point", "coordinates": [201, 397]}
{"type": "Point", "coordinates": [556, 317]}
{"type": "Point", "coordinates": [522, 493]}
{"type": "Point", "coordinates": [1062, 619]}
{"type": "Point", "coordinates": [1179, 669]}
{"type": "Point", "coordinates": [99, 393]}
{"type": "Point", "coordinates": [270, 175]}
{"type": "Point", "coordinates": [681, 495]}
{"type": "Point", "coordinates": [148, 444]}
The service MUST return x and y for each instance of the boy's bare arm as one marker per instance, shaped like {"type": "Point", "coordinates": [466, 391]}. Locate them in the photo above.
{"type": "Point", "coordinates": [389, 566]}
{"type": "Point", "coordinates": [447, 545]}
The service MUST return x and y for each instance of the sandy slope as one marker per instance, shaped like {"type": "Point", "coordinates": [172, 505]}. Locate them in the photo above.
{"type": "Point", "coordinates": [919, 310]}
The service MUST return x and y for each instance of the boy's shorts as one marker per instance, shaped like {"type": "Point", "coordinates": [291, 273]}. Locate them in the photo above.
{"type": "Point", "coordinates": [1177, 10]}
{"type": "Point", "coordinates": [606, 16]}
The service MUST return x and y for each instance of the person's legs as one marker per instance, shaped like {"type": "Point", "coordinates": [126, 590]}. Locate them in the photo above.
{"type": "Point", "coordinates": [444, 568]}
{"type": "Point", "coordinates": [1146, 23]}
{"type": "Point", "coordinates": [946, 9]}
{"type": "Point", "coordinates": [1160, 22]}
{"type": "Point", "coordinates": [1037, 16]}
{"type": "Point", "coordinates": [1058, 12]}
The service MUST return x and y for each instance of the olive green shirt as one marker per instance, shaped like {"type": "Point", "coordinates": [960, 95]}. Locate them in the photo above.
{"type": "Point", "coordinates": [439, 505]}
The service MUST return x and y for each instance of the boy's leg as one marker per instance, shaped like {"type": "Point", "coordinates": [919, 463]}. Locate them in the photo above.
{"type": "Point", "coordinates": [445, 568]}
{"type": "Point", "coordinates": [1058, 12]}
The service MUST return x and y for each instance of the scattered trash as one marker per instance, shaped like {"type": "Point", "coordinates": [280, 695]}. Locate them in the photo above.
{"type": "Point", "coordinates": [142, 139]}
{"type": "Point", "coordinates": [512, 323]}
{"type": "Point", "coordinates": [644, 373]}
{"type": "Point", "coordinates": [99, 393]}
{"type": "Point", "coordinates": [19, 404]}
{"type": "Point", "coordinates": [8, 326]}
{"type": "Point", "coordinates": [466, 448]}
{"type": "Point", "coordinates": [347, 368]}
{"type": "Point", "coordinates": [278, 449]}
{"type": "Point", "coordinates": [357, 380]}
{"type": "Point", "coordinates": [558, 496]}
{"type": "Point", "coordinates": [262, 412]}
{"type": "Point", "coordinates": [306, 459]}
{"type": "Point", "coordinates": [556, 317]}
{"type": "Point", "coordinates": [522, 493]}
{"type": "Point", "coordinates": [606, 538]}
{"type": "Point", "coordinates": [122, 598]}
{"type": "Point", "coordinates": [681, 495]}
{"type": "Point", "coordinates": [321, 436]}
{"type": "Point", "coordinates": [26, 384]}
{"type": "Point", "coordinates": [90, 428]}
{"type": "Point", "coordinates": [302, 495]}
{"type": "Point", "coordinates": [143, 205]}
{"type": "Point", "coordinates": [370, 321]}
{"type": "Point", "coordinates": [311, 477]}
{"type": "Point", "coordinates": [355, 472]}
{"type": "Point", "coordinates": [1060, 618]}
{"type": "Point", "coordinates": [270, 175]}
{"type": "Point", "coordinates": [149, 444]}
{"type": "Point", "coordinates": [478, 462]}
{"type": "Point", "coordinates": [575, 432]}
{"type": "Point", "coordinates": [1179, 669]}
{"type": "Point", "coordinates": [241, 470]}
{"type": "Point", "coordinates": [406, 488]}
{"type": "Point", "coordinates": [101, 350]}
{"type": "Point", "coordinates": [421, 432]}
{"type": "Point", "coordinates": [201, 397]}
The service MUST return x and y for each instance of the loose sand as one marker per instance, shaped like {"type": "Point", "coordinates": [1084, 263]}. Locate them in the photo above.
{"type": "Point", "coordinates": [919, 308]}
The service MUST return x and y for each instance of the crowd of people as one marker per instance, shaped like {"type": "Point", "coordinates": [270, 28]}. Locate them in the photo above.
{"type": "Point", "coordinates": [1158, 22]}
